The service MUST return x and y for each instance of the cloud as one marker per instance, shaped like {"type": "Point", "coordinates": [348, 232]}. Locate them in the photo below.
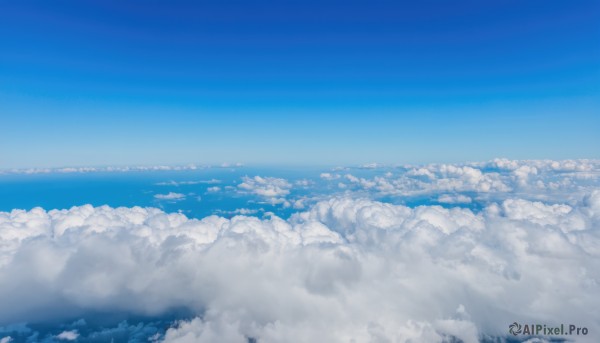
{"type": "Point", "coordinates": [214, 189]}
{"type": "Point", "coordinates": [271, 189]}
{"type": "Point", "coordinates": [329, 176]}
{"type": "Point", "coordinates": [240, 211]}
{"type": "Point", "coordinates": [346, 268]}
{"type": "Point", "coordinates": [495, 180]}
{"type": "Point", "coordinates": [125, 169]}
{"type": "Point", "coordinates": [304, 183]}
{"type": "Point", "coordinates": [170, 196]}
{"type": "Point", "coordinates": [244, 211]}
{"type": "Point", "coordinates": [454, 199]}
{"type": "Point", "coordinates": [115, 169]}
{"type": "Point", "coordinates": [180, 183]}
{"type": "Point", "coordinates": [266, 186]}
{"type": "Point", "coordinates": [231, 165]}
{"type": "Point", "coordinates": [68, 335]}
{"type": "Point", "coordinates": [370, 166]}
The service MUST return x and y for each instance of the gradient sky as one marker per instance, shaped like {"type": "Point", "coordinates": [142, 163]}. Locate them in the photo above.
{"type": "Point", "coordinates": [297, 82]}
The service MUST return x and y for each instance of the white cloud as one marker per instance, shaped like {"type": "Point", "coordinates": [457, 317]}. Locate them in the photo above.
{"type": "Point", "coordinates": [68, 335]}
{"type": "Point", "coordinates": [344, 269]}
{"type": "Point", "coordinates": [180, 183]}
{"type": "Point", "coordinates": [454, 199]}
{"type": "Point", "coordinates": [125, 169]}
{"type": "Point", "coordinates": [170, 196]}
{"type": "Point", "coordinates": [6, 339]}
{"type": "Point", "coordinates": [370, 166]}
{"type": "Point", "coordinates": [266, 186]}
{"type": "Point", "coordinates": [241, 211]}
{"type": "Point", "coordinates": [329, 176]}
{"type": "Point", "coordinates": [488, 181]}
{"type": "Point", "coordinates": [214, 189]}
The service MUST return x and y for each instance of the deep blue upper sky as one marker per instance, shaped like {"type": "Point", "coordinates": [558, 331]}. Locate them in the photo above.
{"type": "Point", "coordinates": [304, 82]}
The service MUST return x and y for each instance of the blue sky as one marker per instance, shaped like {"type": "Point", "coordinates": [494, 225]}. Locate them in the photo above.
{"type": "Point", "coordinates": [297, 82]}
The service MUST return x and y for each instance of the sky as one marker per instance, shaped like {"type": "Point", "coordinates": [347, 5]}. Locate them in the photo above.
{"type": "Point", "coordinates": [297, 82]}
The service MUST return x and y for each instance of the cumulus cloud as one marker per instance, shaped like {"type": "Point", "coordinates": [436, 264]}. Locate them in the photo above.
{"type": "Point", "coordinates": [68, 335]}
{"type": "Point", "coordinates": [266, 186]}
{"type": "Point", "coordinates": [170, 196]}
{"type": "Point", "coordinates": [272, 189]}
{"type": "Point", "coordinates": [345, 269]}
{"type": "Point", "coordinates": [495, 180]}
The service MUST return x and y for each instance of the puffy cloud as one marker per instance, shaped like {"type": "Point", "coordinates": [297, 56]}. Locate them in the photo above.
{"type": "Point", "coordinates": [271, 189]}
{"type": "Point", "coordinates": [214, 189]}
{"type": "Point", "coordinates": [266, 186]}
{"type": "Point", "coordinates": [497, 180]}
{"type": "Point", "coordinates": [170, 196]}
{"type": "Point", "coordinates": [68, 335]}
{"type": "Point", "coordinates": [344, 269]}
{"type": "Point", "coordinates": [329, 176]}
{"type": "Point", "coordinates": [522, 173]}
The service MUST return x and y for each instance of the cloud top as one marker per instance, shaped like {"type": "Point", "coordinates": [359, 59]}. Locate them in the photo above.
{"type": "Point", "coordinates": [346, 268]}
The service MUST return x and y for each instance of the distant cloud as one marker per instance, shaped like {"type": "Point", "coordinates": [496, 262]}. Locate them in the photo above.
{"type": "Point", "coordinates": [271, 188]}
{"type": "Point", "coordinates": [371, 166]}
{"type": "Point", "coordinates": [304, 183]}
{"type": "Point", "coordinates": [241, 211]}
{"type": "Point", "coordinates": [329, 176]}
{"type": "Point", "coordinates": [100, 169]}
{"type": "Point", "coordinates": [183, 183]}
{"type": "Point", "coordinates": [494, 180]}
{"type": "Point", "coordinates": [454, 199]}
{"type": "Point", "coordinates": [214, 189]}
{"type": "Point", "coordinates": [170, 196]}
{"type": "Point", "coordinates": [231, 165]}
{"type": "Point", "coordinates": [114, 169]}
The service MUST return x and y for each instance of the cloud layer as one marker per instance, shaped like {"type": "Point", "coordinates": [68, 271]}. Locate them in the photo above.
{"type": "Point", "coordinates": [345, 269]}
{"type": "Point", "coordinates": [544, 180]}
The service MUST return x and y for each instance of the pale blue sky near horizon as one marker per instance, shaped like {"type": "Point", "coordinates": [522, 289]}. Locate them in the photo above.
{"type": "Point", "coordinates": [297, 83]}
